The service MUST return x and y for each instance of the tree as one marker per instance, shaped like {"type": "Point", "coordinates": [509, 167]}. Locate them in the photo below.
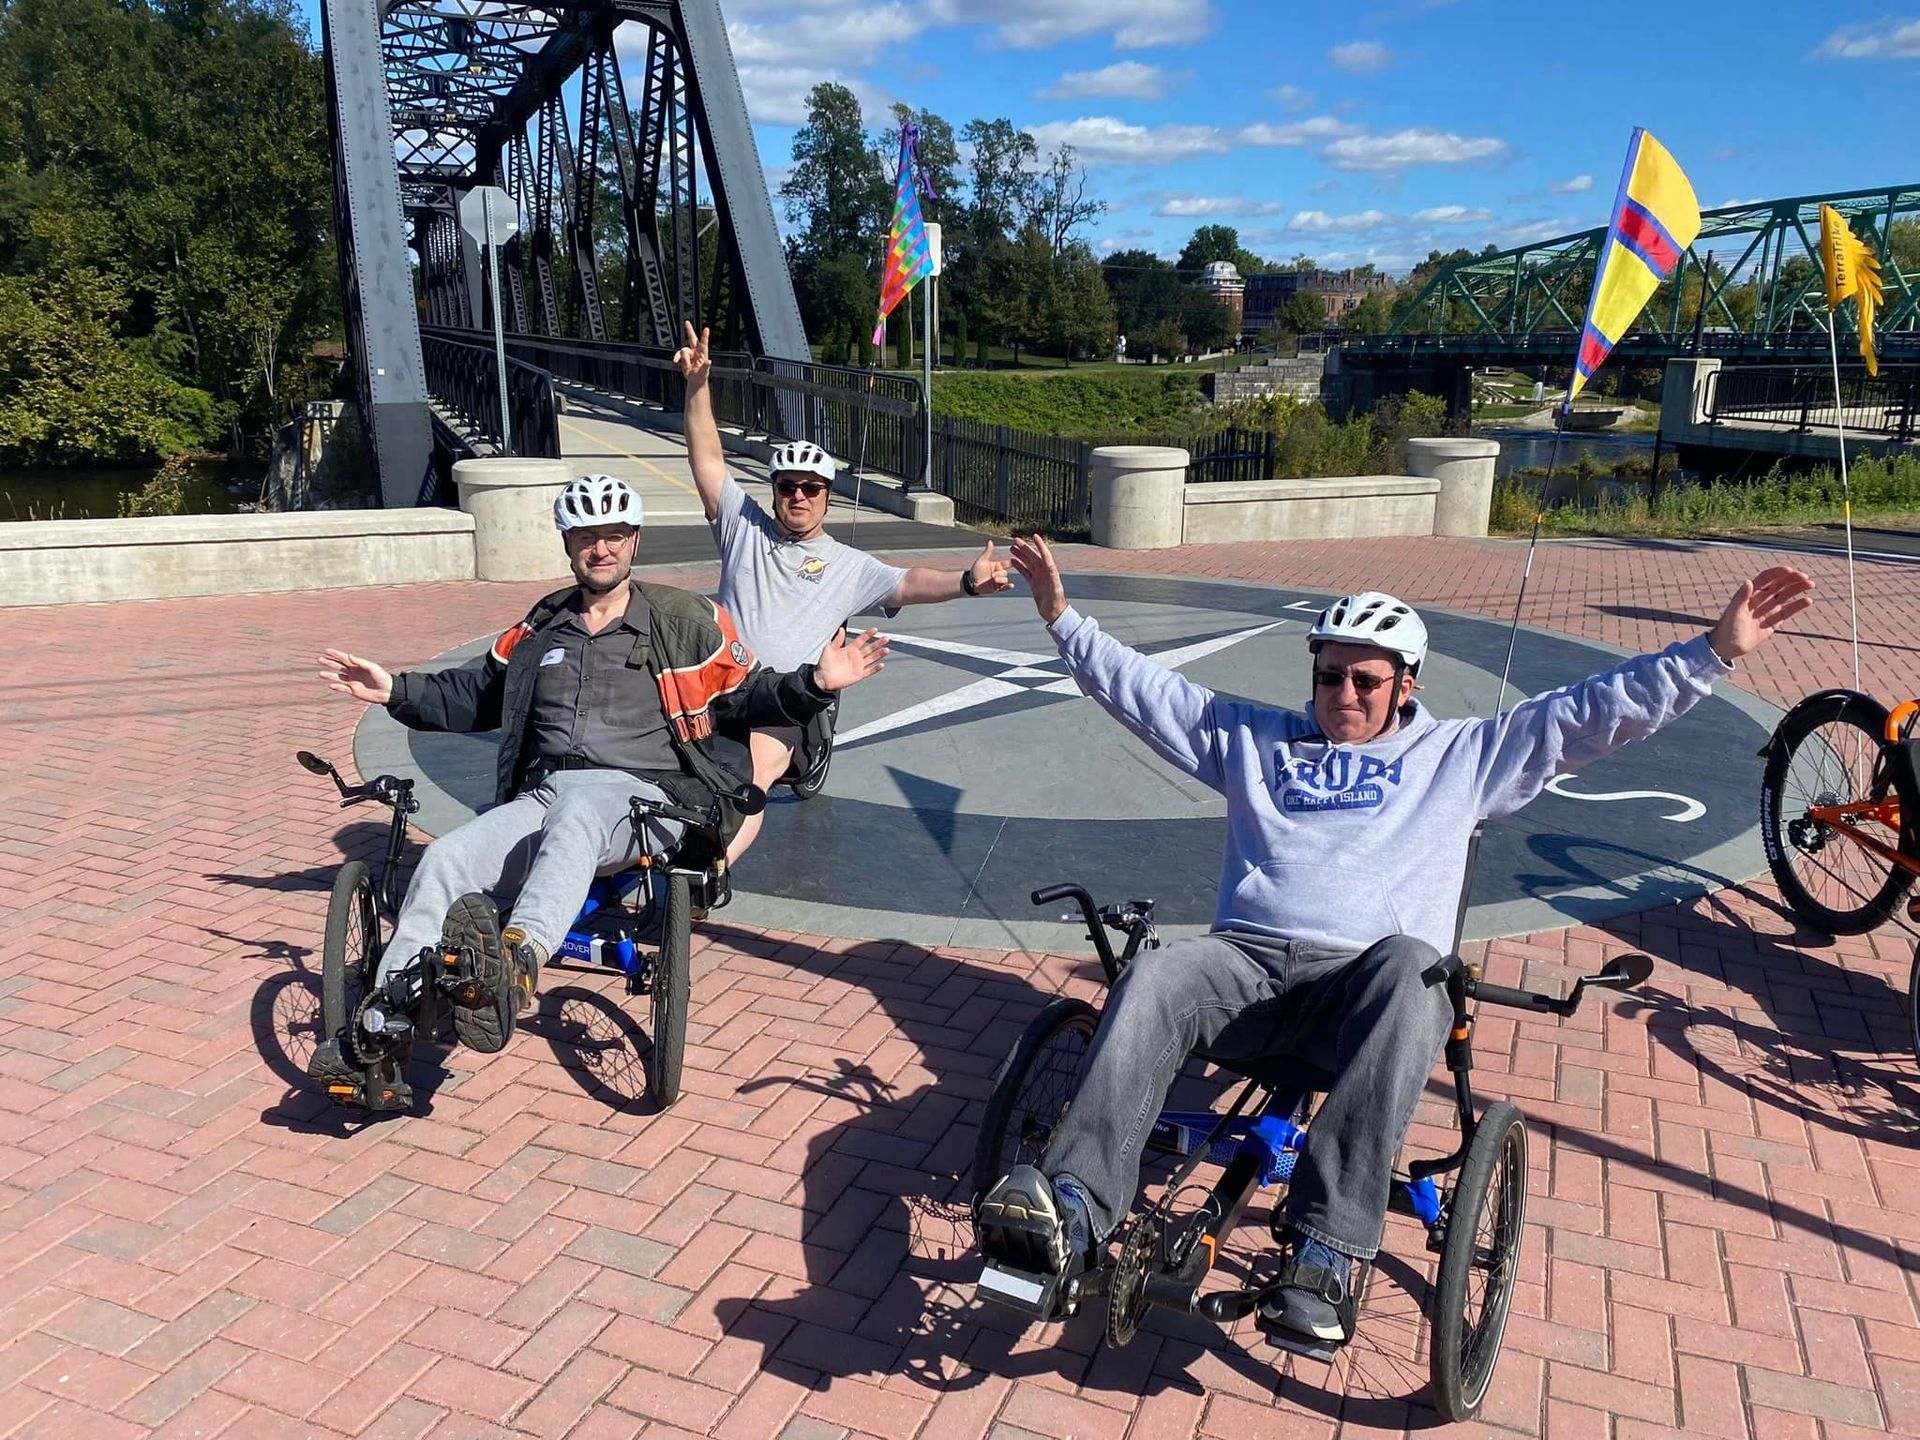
{"type": "Point", "coordinates": [1145, 289]}
{"type": "Point", "coordinates": [1304, 313]}
{"type": "Point", "coordinates": [1080, 315]}
{"type": "Point", "coordinates": [1165, 340]}
{"type": "Point", "coordinates": [1001, 182]}
{"type": "Point", "coordinates": [1060, 203]}
{"type": "Point", "coordinates": [1016, 295]}
{"type": "Point", "coordinates": [1217, 242]}
{"type": "Point", "coordinates": [1204, 320]}
{"type": "Point", "coordinates": [938, 153]}
{"type": "Point", "coordinates": [1373, 315]}
{"type": "Point", "coordinates": [837, 196]}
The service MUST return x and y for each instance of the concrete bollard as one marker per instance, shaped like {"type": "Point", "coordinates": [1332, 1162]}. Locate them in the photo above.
{"type": "Point", "coordinates": [1139, 496]}
{"type": "Point", "coordinates": [511, 501]}
{"type": "Point", "coordinates": [1464, 468]}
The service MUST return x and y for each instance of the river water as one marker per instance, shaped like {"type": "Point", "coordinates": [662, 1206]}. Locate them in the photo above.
{"type": "Point", "coordinates": [97, 494]}
{"type": "Point", "coordinates": [1530, 449]}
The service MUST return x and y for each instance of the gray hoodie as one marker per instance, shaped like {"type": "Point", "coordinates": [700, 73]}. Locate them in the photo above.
{"type": "Point", "coordinates": [1342, 845]}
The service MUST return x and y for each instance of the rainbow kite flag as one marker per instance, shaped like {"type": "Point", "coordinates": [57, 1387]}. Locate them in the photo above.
{"type": "Point", "coordinates": [909, 259]}
{"type": "Point", "coordinates": [1655, 219]}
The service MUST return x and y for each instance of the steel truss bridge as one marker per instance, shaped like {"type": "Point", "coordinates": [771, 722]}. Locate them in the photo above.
{"type": "Point", "coordinates": [1750, 287]}
{"type": "Point", "coordinates": [620, 131]}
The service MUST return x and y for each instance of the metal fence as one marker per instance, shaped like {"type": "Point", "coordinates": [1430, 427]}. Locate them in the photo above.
{"type": "Point", "coordinates": [994, 472]}
{"type": "Point", "coordinates": [1230, 454]}
{"type": "Point", "coordinates": [1797, 398]}
{"type": "Point", "coordinates": [464, 376]}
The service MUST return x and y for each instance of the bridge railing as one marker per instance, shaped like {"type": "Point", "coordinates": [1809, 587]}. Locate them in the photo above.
{"type": "Point", "coordinates": [1798, 398]}
{"type": "Point", "coordinates": [464, 376]}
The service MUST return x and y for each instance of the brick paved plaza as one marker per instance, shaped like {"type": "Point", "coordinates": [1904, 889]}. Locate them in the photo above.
{"type": "Point", "coordinates": [1724, 1227]}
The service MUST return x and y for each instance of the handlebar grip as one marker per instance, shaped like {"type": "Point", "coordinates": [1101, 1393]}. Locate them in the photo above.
{"type": "Point", "coordinates": [1063, 892]}
{"type": "Point", "coordinates": [1521, 999]}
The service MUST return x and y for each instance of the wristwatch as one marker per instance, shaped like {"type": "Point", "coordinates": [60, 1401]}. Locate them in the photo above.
{"type": "Point", "coordinates": [966, 582]}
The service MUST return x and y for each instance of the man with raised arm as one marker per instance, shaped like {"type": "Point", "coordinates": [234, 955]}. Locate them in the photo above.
{"type": "Point", "coordinates": [1347, 834]}
{"type": "Point", "coordinates": [608, 689]}
{"type": "Point", "coordinates": [789, 584]}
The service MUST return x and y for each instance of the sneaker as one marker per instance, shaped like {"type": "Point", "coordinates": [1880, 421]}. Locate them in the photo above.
{"type": "Point", "coordinates": [1314, 1298]}
{"type": "Point", "coordinates": [483, 1010]}
{"type": "Point", "coordinates": [1032, 1225]}
{"type": "Point", "coordinates": [527, 957]}
{"type": "Point", "coordinates": [348, 1084]}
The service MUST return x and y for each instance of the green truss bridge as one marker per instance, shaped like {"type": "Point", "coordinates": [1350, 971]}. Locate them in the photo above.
{"type": "Point", "coordinates": [1749, 290]}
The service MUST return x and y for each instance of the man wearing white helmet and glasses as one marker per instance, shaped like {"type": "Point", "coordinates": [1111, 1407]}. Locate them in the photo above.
{"type": "Point", "coordinates": [789, 583]}
{"type": "Point", "coordinates": [1347, 833]}
{"type": "Point", "coordinates": [608, 689]}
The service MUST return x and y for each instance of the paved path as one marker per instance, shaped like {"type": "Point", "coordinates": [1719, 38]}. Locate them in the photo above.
{"type": "Point", "coordinates": [1723, 1238]}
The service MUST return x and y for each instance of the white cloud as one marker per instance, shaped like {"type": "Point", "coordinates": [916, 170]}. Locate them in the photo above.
{"type": "Point", "coordinates": [1297, 132]}
{"type": "Point", "coordinates": [777, 94]}
{"type": "Point", "coordinates": [1027, 25]}
{"type": "Point", "coordinates": [1360, 57]}
{"type": "Point", "coordinates": [851, 36]}
{"type": "Point", "coordinates": [1881, 40]}
{"type": "Point", "coordinates": [1404, 148]}
{"type": "Point", "coordinates": [1292, 96]}
{"type": "Point", "coordinates": [1531, 232]}
{"type": "Point", "coordinates": [1103, 140]}
{"type": "Point", "coordinates": [1319, 222]}
{"type": "Point", "coordinates": [1127, 80]}
{"type": "Point", "coordinates": [1578, 185]}
{"type": "Point", "coordinates": [1210, 206]}
{"type": "Point", "coordinates": [1452, 215]}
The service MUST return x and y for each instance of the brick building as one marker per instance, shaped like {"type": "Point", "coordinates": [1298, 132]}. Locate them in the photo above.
{"type": "Point", "coordinates": [1340, 290]}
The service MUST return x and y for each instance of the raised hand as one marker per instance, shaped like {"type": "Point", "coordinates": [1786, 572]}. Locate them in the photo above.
{"type": "Point", "coordinates": [350, 675]}
{"type": "Point", "coordinates": [1758, 608]}
{"type": "Point", "coordinates": [990, 574]}
{"type": "Point", "coordinates": [1034, 561]}
{"type": "Point", "coordinates": [847, 662]}
{"type": "Point", "coordinates": [695, 358]}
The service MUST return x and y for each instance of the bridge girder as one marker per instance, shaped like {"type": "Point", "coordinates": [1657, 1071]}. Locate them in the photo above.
{"type": "Point", "coordinates": [462, 83]}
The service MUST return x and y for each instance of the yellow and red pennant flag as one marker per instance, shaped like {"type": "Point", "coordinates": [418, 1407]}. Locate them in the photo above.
{"type": "Point", "coordinates": [909, 258]}
{"type": "Point", "coordinates": [1853, 273]}
{"type": "Point", "coordinates": [1655, 219]}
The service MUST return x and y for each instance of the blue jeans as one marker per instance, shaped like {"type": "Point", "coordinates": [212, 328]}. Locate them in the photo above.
{"type": "Point", "coordinates": [1371, 1020]}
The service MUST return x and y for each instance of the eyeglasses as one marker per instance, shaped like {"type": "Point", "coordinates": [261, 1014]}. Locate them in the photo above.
{"type": "Point", "coordinates": [812, 489]}
{"type": "Point", "coordinates": [1363, 683]}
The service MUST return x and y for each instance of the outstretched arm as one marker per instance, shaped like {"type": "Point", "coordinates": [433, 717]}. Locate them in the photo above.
{"type": "Point", "coordinates": [705, 454]}
{"type": "Point", "coordinates": [1176, 717]}
{"type": "Point", "coordinates": [924, 585]}
{"type": "Point", "coordinates": [1564, 729]}
{"type": "Point", "coordinates": [463, 700]}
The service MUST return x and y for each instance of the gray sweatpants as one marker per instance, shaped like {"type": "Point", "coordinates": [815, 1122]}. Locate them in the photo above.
{"type": "Point", "coordinates": [1371, 1020]}
{"type": "Point", "coordinates": [545, 845]}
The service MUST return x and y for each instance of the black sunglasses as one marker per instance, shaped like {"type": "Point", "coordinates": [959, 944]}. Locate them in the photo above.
{"type": "Point", "coordinates": [808, 488]}
{"type": "Point", "coordinates": [1363, 683]}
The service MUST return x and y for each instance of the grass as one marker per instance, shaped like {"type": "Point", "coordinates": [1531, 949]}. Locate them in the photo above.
{"type": "Point", "coordinates": [1882, 489]}
{"type": "Point", "coordinates": [1085, 403]}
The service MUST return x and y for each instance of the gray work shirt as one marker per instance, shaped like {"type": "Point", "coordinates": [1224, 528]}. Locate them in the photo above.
{"type": "Point", "coordinates": [594, 697]}
{"type": "Point", "coordinates": [789, 596]}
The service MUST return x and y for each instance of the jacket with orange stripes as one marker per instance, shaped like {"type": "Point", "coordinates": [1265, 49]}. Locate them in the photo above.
{"type": "Point", "coordinates": [704, 672]}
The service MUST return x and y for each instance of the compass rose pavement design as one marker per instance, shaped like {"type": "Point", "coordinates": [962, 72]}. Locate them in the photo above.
{"type": "Point", "coordinates": [973, 771]}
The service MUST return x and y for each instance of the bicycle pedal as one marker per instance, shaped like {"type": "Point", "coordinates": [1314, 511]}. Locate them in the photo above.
{"type": "Point", "coordinates": [1322, 1350]}
{"type": "Point", "coordinates": [1038, 1295]}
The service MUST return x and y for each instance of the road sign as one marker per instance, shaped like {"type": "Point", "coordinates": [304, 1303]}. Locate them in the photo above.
{"type": "Point", "coordinates": [933, 247]}
{"type": "Point", "coordinates": [488, 208]}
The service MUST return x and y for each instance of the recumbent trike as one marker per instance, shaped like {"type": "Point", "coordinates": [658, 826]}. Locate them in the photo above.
{"type": "Point", "coordinates": [1474, 1226]}
{"type": "Point", "coordinates": [637, 922]}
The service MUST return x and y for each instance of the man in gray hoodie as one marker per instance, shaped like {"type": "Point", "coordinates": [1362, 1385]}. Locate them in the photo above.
{"type": "Point", "coordinates": [1347, 833]}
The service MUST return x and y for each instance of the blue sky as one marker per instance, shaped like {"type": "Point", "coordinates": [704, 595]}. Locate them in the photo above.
{"type": "Point", "coordinates": [1373, 130]}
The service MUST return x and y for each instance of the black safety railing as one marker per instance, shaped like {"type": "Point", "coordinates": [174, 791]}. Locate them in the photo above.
{"type": "Point", "coordinates": [1797, 398]}
{"type": "Point", "coordinates": [994, 472]}
{"type": "Point", "coordinates": [1230, 454]}
{"type": "Point", "coordinates": [463, 375]}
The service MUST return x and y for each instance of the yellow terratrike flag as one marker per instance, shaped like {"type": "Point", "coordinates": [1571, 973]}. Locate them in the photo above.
{"type": "Point", "coordinates": [1852, 274]}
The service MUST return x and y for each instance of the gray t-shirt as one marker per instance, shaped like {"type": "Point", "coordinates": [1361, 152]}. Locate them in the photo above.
{"type": "Point", "coordinates": [789, 596]}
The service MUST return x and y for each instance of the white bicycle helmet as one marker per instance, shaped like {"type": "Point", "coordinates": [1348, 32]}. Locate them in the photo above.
{"type": "Point", "coordinates": [597, 500]}
{"type": "Point", "coordinates": [1372, 618]}
{"type": "Point", "coordinates": [803, 456]}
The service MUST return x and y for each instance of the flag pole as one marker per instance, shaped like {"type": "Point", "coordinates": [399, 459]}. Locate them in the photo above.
{"type": "Point", "coordinates": [1533, 541]}
{"type": "Point", "coordinates": [1846, 495]}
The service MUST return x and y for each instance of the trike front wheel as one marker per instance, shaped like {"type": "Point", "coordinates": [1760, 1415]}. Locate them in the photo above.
{"type": "Point", "coordinates": [1479, 1261]}
{"type": "Point", "coordinates": [1032, 1090]}
{"type": "Point", "coordinates": [672, 984]}
{"type": "Point", "coordinates": [350, 949]}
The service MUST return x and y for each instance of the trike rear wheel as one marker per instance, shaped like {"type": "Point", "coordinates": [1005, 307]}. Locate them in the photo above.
{"type": "Point", "coordinates": [1032, 1090]}
{"type": "Point", "coordinates": [671, 985]}
{"type": "Point", "coordinates": [810, 781]}
{"type": "Point", "coordinates": [1913, 1002]}
{"type": "Point", "coordinates": [350, 949]}
{"type": "Point", "coordinates": [1826, 752]}
{"type": "Point", "coordinates": [1479, 1261]}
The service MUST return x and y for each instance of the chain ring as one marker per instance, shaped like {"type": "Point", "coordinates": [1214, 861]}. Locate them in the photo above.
{"type": "Point", "coordinates": [1127, 1286]}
